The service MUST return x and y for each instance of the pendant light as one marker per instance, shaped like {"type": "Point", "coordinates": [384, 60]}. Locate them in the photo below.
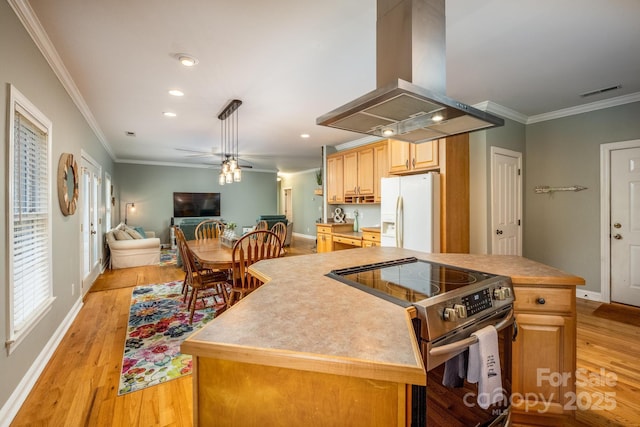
{"type": "Point", "coordinates": [230, 170]}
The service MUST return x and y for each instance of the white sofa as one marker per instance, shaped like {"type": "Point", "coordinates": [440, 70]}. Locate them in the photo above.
{"type": "Point", "coordinates": [133, 252]}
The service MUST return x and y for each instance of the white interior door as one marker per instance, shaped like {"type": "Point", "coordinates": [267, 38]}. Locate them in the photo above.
{"type": "Point", "coordinates": [625, 226]}
{"type": "Point", "coordinates": [91, 223]}
{"type": "Point", "coordinates": [506, 202]}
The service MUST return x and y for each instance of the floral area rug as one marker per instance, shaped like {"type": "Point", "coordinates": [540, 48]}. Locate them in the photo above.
{"type": "Point", "coordinates": [158, 323]}
{"type": "Point", "coordinates": [168, 257]}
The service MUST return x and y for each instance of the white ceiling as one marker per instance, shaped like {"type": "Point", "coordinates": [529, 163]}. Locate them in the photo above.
{"type": "Point", "coordinates": [291, 61]}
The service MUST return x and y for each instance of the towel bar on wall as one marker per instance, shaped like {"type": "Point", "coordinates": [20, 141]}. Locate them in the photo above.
{"type": "Point", "coordinates": [542, 189]}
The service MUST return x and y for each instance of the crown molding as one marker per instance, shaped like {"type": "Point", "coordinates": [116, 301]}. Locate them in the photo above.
{"type": "Point", "coordinates": [32, 24]}
{"type": "Point", "coordinates": [585, 108]}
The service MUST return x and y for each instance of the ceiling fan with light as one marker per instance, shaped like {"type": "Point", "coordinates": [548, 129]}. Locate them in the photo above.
{"type": "Point", "coordinates": [215, 155]}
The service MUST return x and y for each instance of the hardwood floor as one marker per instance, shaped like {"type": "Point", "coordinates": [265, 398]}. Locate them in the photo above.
{"type": "Point", "coordinates": [79, 386]}
{"type": "Point", "coordinates": [608, 362]}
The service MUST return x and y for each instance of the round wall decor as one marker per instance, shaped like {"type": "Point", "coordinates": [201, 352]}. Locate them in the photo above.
{"type": "Point", "coordinates": [68, 184]}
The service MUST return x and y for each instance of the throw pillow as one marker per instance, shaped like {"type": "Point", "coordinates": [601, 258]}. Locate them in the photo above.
{"type": "Point", "coordinates": [141, 231]}
{"type": "Point", "coordinates": [121, 235]}
{"type": "Point", "coordinates": [133, 233]}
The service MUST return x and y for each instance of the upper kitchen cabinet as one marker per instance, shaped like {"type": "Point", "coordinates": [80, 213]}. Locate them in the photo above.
{"type": "Point", "coordinates": [405, 157]}
{"type": "Point", "coordinates": [381, 168]}
{"type": "Point", "coordinates": [353, 176]}
{"type": "Point", "coordinates": [358, 175]}
{"type": "Point", "coordinates": [335, 179]}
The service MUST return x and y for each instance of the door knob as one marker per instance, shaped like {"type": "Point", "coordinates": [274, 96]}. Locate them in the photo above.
{"type": "Point", "coordinates": [617, 237]}
{"type": "Point", "coordinates": [617, 225]}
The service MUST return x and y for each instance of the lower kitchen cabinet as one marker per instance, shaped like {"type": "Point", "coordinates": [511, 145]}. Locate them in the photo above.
{"type": "Point", "coordinates": [324, 235]}
{"type": "Point", "coordinates": [544, 355]}
{"type": "Point", "coordinates": [370, 238]}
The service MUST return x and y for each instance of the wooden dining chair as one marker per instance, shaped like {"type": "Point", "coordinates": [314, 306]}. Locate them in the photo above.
{"type": "Point", "coordinates": [280, 230]}
{"type": "Point", "coordinates": [262, 225]}
{"type": "Point", "coordinates": [250, 248]}
{"type": "Point", "coordinates": [199, 280]}
{"type": "Point", "coordinates": [181, 242]}
{"type": "Point", "coordinates": [209, 229]}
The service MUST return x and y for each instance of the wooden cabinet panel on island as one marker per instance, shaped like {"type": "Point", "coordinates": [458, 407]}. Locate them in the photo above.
{"type": "Point", "coordinates": [544, 358]}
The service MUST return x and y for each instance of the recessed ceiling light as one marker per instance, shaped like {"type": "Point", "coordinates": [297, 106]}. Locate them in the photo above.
{"type": "Point", "coordinates": [305, 135]}
{"type": "Point", "coordinates": [176, 92]}
{"type": "Point", "coordinates": [169, 114]}
{"type": "Point", "coordinates": [388, 132]}
{"type": "Point", "coordinates": [187, 60]}
{"type": "Point", "coordinates": [437, 117]}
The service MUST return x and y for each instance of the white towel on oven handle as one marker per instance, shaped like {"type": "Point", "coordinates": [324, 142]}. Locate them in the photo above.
{"type": "Point", "coordinates": [484, 367]}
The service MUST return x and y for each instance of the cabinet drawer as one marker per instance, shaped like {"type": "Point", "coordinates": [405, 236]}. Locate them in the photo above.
{"type": "Point", "coordinates": [373, 237]}
{"type": "Point", "coordinates": [540, 299]}
{"type": "Point", "coordinates": [347, 241]}
{"type": "Point", "coordinates": [323, 229]}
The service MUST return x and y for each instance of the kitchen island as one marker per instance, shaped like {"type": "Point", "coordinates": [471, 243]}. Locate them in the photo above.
{"type": "Point", "coordinates": [305, 347]}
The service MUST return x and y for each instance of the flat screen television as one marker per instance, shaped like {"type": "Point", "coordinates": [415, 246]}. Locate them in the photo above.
{"type": "Point", "coordinates": [196, 204]}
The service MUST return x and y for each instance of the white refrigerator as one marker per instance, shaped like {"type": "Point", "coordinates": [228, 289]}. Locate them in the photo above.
{"type": "Point", "coordinates": [410, 212]}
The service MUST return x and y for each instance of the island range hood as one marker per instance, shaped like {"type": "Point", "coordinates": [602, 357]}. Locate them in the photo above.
{"type": "Point", "coordinates": [409, 103]}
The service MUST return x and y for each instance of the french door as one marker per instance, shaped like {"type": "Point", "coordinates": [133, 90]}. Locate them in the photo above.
{"type": "Point", "coordinates": [91, 229]}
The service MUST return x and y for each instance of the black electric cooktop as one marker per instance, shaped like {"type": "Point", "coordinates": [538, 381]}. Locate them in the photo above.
{"type": "Point", "coordinates": [408, 280]}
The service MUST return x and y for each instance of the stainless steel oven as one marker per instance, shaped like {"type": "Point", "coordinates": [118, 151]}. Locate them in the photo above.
{"type": "Point", "coordinates": [450, 304]}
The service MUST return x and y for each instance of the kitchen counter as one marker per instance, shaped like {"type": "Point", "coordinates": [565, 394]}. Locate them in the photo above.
{"type": "Point", "coordinates": [302, 320]}
{"type": "Point", "coordinates": [371, 335]}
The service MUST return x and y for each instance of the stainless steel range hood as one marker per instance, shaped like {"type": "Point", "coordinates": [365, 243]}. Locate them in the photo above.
{"type": "Point", "coordinates": [410, 102]}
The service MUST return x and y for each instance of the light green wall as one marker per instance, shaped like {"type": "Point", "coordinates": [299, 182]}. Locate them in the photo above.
{"type": "Point", "coordinates": [152, 187]}
{"type": "Point", "coordinates": [307, 207]}
{"type": "Point", "coordinates": [510, 136]}
{"type": "Point", "coordinates": [24, 67]}
{"type": "Point", "coordinates": [563, 229]}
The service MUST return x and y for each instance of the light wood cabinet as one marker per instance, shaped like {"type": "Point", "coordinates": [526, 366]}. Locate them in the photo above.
{"type": "Point", "coordinates": [544, 359]}
{"type": "Point", "coordinates": [323, 242]}
{"type": "Point", "coordinates": [411, 158]}
{"type": "Point", "coordinates": [335, 179]}
{"type": "Point", "coordinates": [358, 175]}
{"type": "Point", "coordinates": [381, 168]}
{"type": "Point", "coordinates": [232, 393]}
{"type": "Point", "coordinates": [324, 235]}
{"type": "Point", "coordinates": [370, 238]}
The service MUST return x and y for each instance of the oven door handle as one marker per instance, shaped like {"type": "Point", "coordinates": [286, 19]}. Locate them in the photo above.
{"type": "Point", "coordinates": [465, 343]}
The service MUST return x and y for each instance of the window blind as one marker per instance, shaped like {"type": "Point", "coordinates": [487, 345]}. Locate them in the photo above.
{"type": "Point", "coordinates": [31, 270]}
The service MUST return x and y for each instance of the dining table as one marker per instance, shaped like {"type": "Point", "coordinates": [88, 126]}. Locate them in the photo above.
{"type": "Point", "coordinates": [211, 253]}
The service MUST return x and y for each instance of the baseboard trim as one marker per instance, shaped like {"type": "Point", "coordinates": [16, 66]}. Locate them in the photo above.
{"type": "Point", "coordinates": [589, 295]}
{"type": "Point", "coordinates": [19, 395]}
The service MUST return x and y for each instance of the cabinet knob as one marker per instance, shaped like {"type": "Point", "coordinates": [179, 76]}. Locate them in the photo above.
{"type": "Point", "coordinates": [413, 162]}
{"type": "Point", "coordinates": [406, 164]}
{"type": "Point", "coordinates": [541, 301]}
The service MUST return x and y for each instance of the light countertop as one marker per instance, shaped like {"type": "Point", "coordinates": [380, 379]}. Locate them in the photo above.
{"type": "Point", "coordinates": [301, 319]}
